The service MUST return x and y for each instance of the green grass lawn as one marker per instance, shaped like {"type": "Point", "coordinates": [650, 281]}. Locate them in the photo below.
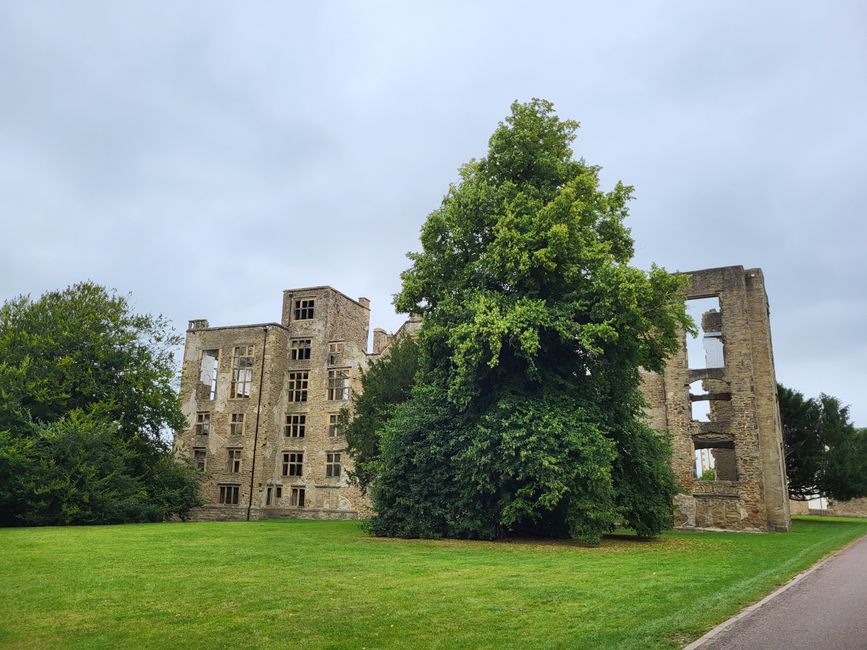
{"type": "Point", "coordinates": [325, 584]}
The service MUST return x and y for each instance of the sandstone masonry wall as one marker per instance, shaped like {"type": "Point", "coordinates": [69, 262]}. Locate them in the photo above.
{"type": "Point", "coordinates": [259, 468]}
{"type": "Point", "coordinates": [853, 508]}
{"type": "Point", "coordinates": [289, 440]}
{"type": "Point", "coordinates": [743, 429]}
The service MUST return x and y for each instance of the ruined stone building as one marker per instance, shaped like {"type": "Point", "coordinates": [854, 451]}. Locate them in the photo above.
{"type": "Point", "coordinates": [263, 403]}
{"type": "Point", "coordinates": [738, 429]}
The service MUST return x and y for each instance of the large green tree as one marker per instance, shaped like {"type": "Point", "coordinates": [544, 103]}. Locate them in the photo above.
{"type": "Point", "coordinates": [86, 395]}
{"type": "Point", "coordinates": [385, 385]}
{"type": "Point", "coordinates": [825, 454]}
{"type": "Point", "coordinates": [526, 412]}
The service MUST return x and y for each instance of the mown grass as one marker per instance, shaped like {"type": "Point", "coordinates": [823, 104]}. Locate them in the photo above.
{"type": "Point", "coordinates": [326, 584]}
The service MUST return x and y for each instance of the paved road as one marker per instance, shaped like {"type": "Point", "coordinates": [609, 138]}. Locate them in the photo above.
{"type": "Point", "coordinates": [827, 609]}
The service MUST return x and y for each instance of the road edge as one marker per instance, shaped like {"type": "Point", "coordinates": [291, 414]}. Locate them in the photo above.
{"type": "Point", "coordinates": [750, 609]}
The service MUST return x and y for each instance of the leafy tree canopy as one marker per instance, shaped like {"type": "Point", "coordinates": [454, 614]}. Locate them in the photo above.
{"type": "Point", "coordinates": [825, 454]}
{"type": "Point", "coordinates": [83, 348]}
{"type": "Point", "coordinates": [78, 471]}
{"type": "Point", "coordinates": [85, 392]}
{"type": "Point", "coordinates": [525, 416]}
{"type": "Point", "coordinates": [387, 383]}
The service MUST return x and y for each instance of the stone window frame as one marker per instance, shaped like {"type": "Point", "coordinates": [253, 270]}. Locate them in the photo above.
{"type": "Point", "coordinates": [273, 494]}
{"type": "Point", "coordinates": [243, 360]}
{"type": "Point", "coordinates": [297, 494]}
{"type": "Point", "coordinates": [704, 336]}
{"type": "Point", "coordinates": [298, 382]}
{"type": "Point", "coordinates": [203, 423]}
{"type": "Point", "coordinates": [200, 458]}
{"type": "Point", "coordinates": [333, 464]}
{"type": "Point", "coordinates": [716, 441]}
{"type": "Point", "coordinates": [300, 349]}
{"type": "Point", "coordinates": [236, 426]}
{"type": "Point", "coordinates": [338, 385]}
{"type": "Point", "coordinates": [295, 426]}
{"type": "Point", "coordinates": [212, 371]}
{"type": "Point", "coordinates": [292, 464]}
{"type": "Point", "coordinates": [303, 308]}
{"type": "Point", "coordinates": [229, 494]}
{"type": "Point", "coordinates": [335, 352]}
{"type": "Point", "coordinates": [233, 460]}
{"type": "Point", "coordinates": [335, 429]}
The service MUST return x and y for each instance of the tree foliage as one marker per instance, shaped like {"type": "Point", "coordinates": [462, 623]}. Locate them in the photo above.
{"type": "Point", "coordinates": [825, 454]}
{"type": "Point", "coordinates": [387, 383]}
{"type": "Point", "coordinates": [85, 393]}
{"type": "Point", "coordinates": [83, 348]}
{"type": "Point", "coordinates": [525, 416]}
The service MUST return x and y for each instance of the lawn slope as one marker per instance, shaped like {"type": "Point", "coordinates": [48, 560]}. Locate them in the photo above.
{"type": "Point", "coordinates": [325, 584]}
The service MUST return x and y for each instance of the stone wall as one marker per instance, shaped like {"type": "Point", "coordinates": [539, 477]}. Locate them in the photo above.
{"type": "Point", "coordinates": [853, 508]}
{"type": "Point", "coordinates": [743, 428]}
{"type": "Point", "coordinates": [333, 330]}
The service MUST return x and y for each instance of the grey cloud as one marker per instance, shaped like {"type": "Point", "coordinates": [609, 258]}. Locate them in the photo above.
{"type": "Point", "coordinates": [207, 155]}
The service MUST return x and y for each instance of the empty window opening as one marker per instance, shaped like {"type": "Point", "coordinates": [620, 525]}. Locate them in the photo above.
{"type": "Point", "coordinates": [242, 371]}
{"type": "Point", "coordinates": [299, 349]}
{"type": "Point", "coordinates": [338, 384]}
{"type": "Point", "coordinates": [268, 494]}
{"type": "Point", "coordinates": [304, 309]}
{"type": "Point", "coordinates": [296, 497]}
{"type": "Point", "coordinates": [200, 456]}
{"type": "Point", "coordinates": [706, 349]}
{"type": "Point", "coordinates": [298, 385]}
{"type": "Point", "coordinates": [715, 458]}
{"type": "Point", "coordinates": [704, 465]}
{"type": "Point", "coordinates": [203, 423]}
{"type": "Point", "coordinates": [278, 492]}
{"type": "Point", "coordinates": [332, 464]}
{"type": "Point", "coordinates": [335, 353]}
{"type": "Point", "coordinates": [208, 371]}
{"type": "Point", "coordinates": [335, 428]}
{"type": "Point", "coordinates": [229, 494]}
{"type": "Point", "coordinates": [293, 463]}
{"type": "Point", "coordinates": [233, 460]}
{"type": "Point", "coordinates": [296, 426]}
{"type": "Point", "coordinates": [710, 400]}
{"type": "Point", "coordinates": [236, 426]}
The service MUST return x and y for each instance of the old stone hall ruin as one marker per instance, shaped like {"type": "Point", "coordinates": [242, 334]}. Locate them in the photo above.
{"type": "Point", "coordinates": [262, 402]}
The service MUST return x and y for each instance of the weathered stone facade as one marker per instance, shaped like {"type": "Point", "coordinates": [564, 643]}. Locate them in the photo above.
{"type": "Point", "coordinates": [262, 401]}
{"type": "Point", "coordinates": [742, 427]}
{"type": "Point", "coordinates": [261, 460]}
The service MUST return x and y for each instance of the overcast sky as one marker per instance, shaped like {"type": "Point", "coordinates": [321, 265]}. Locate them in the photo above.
{"type": "Point", "coordinates": [206, 156]}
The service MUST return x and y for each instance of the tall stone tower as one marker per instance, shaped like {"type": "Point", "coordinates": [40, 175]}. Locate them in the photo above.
{"type": "Point", "coordinates": [721, 409]}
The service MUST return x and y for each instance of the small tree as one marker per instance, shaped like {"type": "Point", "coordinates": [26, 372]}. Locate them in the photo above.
{"type": "Point", "coordinates": [85, 394]}
{"type": "Point", "coordinates": [526, 413]}
{"type": "Point", "coordinates": [825, 454]}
